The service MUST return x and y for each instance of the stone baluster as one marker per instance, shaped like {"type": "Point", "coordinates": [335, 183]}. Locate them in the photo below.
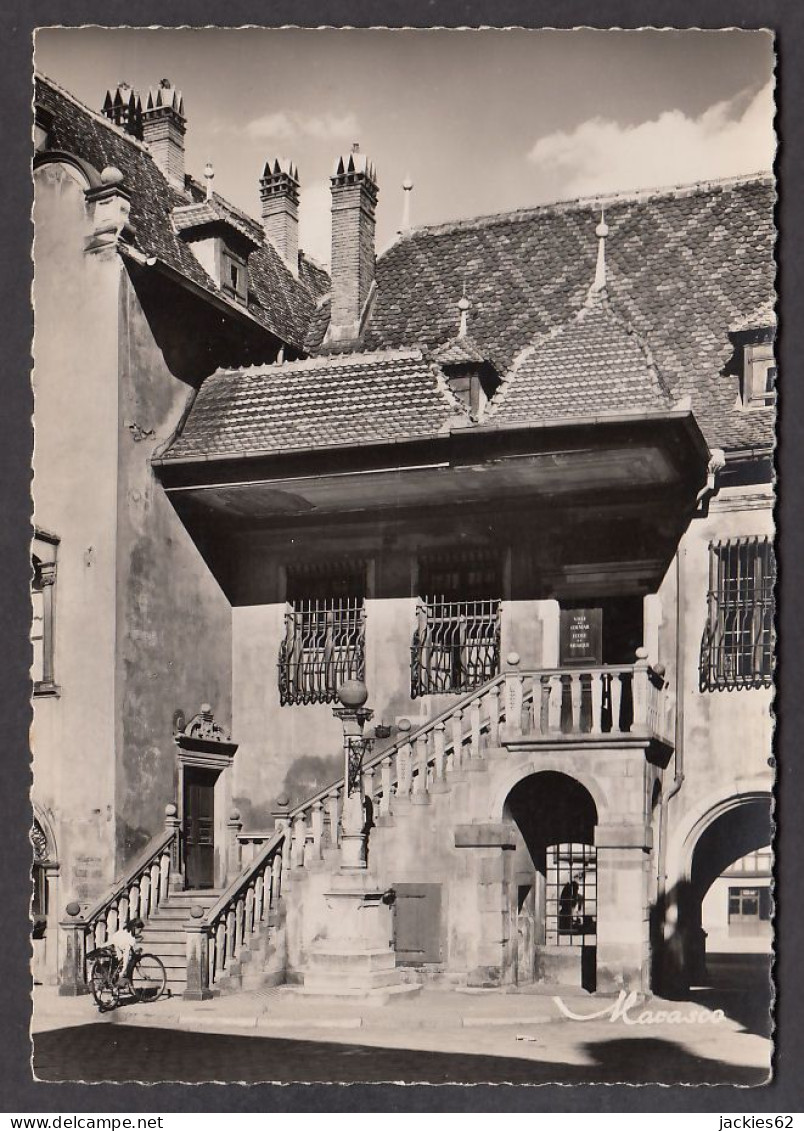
{"type": "Point", "coordinates": [513, 694]}
{"type": "Point", "coordinates": [334, 815]}
{"type": "Point", "coordinates": [134, 901]}
{"type": "Point", "coordinates": [317, 824]}
{"type": "Point", "coordinates": [596, 690]}
{"type": "Point", "coordinates": [640, 689]}
{"type": "Point", "coordinates": [156, 895]}
{"type": "Point", "coordinates": [368, 784]}
{"type": "Point", "coordinates": [164, 873]}
{"type": "Point", "coordinates": [404, 762]}
{"type": "Point", "coordinates": [616, 694]}
{"type": "Point", "coordinates": [544, 704]}
{"type": "Point", "coordinates": [145, 894]}
{"type": "Point", "coordinates": [456, 726]}
{"type": "Point", "coordinates": [420, 779]}
{"type": "Point", "coordinates": [492, 704]}
{"type": "Point", "coordinates": [474, 728]}
{"type": "Point", "coordinates": [575, 700]}
{"type": "Point", "coordinates": [259, 897]}
{"type": "Point", "coordinates": [231, 935]}
{"type": "Point", "coordinates": [240, 924]}
{"type": "Point", "coordinates": [123, 914]}
{"type": "Point", "coordinates": [439, 752]}
{"type": "Point", "coordinates": [554, 706]}
{"type": "Point", "coordinates": [111, 920]}
{"type": "Point", "coordinates": [220, 945]}
{"type": "Point", "coordinates": [298, 839]}
{"type": "Point", "coordinates": [250, 905]}
{"type": "Point", "coordinates": [386, 770]}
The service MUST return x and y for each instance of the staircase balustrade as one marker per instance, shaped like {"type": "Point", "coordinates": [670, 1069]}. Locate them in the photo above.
{"type": "Point", "coordinates": [140, 892]}
{"type": "Point", "coordinates": [218, 938]}
{"type": "Point", "coordinates": [551, 705]}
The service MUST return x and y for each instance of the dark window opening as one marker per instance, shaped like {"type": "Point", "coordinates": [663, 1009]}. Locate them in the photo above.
{"type": "Point", "coordinates": [739, 640]}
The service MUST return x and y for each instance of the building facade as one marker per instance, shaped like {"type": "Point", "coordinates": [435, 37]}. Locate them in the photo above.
{"type": "Point", "coordinates": [514, 476]}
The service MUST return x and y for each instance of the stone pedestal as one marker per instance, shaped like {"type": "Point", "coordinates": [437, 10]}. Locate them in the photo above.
{"type": "Point", "coordinates": [355, 960]}
{"type": "Point", "coordinates": [622, 916]}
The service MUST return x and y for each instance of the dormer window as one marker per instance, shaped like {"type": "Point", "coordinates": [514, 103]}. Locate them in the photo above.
{"type": "Point", "coordinates": [759, 375]}
{"type": "Point", "coordinates": [221, 239]}
{"type": "Point", "coordinates": [234, 275]}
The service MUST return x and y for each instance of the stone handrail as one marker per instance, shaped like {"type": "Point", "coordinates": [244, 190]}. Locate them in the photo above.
{"type": "Point", "coordinates": [217, 938]}
{"type": "Point", "coordinates": [546, 704]}
{"type": "Point", "coordinates": [137, 894]}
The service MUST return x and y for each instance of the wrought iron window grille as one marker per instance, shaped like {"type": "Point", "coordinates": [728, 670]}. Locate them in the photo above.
{"type": "Point", "coordinates": [739, 640]}
{"type": "Point", "coordinates": [571, 895]}
{"type": "Point", "coordinates": [456, 645]}
{"type": "Point", "coordinates": [324, 645]}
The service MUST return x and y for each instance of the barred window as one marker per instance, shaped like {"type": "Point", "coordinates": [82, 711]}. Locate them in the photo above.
{"type": "Point", "coordinates": [325, 631]}
{"type": "Point", "coordinates": [43, 585]}
{"type": "Point", "coordinates": [456, 645]}
{"type": "Point", "coordinates": [739, 639]}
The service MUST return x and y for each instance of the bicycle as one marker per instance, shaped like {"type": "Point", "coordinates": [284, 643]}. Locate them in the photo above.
{"type": "Point", "coordinates": [148, 978]}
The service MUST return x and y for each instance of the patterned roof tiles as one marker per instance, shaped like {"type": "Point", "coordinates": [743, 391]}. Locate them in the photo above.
{"type": "Point", "coordinates": [324, 402]}
{"type": "Point", "coordinates": [282, 303]}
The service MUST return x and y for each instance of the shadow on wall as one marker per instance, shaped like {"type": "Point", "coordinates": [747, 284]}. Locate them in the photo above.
{"type": "Point", "coordinates": [305, 777]}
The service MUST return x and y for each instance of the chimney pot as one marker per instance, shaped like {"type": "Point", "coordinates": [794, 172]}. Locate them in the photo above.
{"type": "Point", "coordinates": [354, 203]}
{"type": "Point", "coordinates": [163, 128]}
{"type": "Point", "coordinates": [279, 196]}
{"type": "Point", "coordinates": [124, 108]}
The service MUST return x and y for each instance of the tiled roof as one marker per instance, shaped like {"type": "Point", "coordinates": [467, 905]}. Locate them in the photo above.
{"type": "Point", "coordinates": [282, 303]}
{"type": "Point", "coordinates": [763, 318]}
{"type": "Point", "coordinates": [319, 403]}
{"type": "Point", "coordinates": [593, 363]}
{"type": "Point", "coordinates": [682, 266]}
{"type": "Point", "coordinates": [216, 210]}
{"type": "Point", "coordinates": [460, 351]}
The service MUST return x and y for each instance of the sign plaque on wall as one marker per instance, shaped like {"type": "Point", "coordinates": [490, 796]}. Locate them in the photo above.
{"type": "Point", "coordinates": [581, 637]}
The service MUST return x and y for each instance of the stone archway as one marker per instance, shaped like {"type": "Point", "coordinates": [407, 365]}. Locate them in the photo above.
{"type": "Point", "coordinates": [44, 899]}
{"type": "Point", "coordinates": [555, 878]}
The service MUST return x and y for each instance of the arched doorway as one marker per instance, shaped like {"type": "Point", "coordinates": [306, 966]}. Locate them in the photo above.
{"type": "Point", "coordinates": [44, 901]}
{"type": "Point", "coordinates": [556, 879]}
{"type": "Point", "coordinates": [737, 836]}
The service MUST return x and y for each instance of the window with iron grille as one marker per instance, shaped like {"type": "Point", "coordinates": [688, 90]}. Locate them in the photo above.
{"type": "Point", "coordinates": [43, 587]}
{"type": "Point", "coordinates": [739, 639]}
{"type": "Point", "coordinates": [325, 631]}
{"type": "Point", "coordinates": [456, 645]}
{"type": "Point", "coordinates": [571, 895]}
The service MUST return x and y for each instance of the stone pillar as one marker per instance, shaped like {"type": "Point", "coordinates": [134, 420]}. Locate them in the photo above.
{"type": "Point", "coordinates": [73, 970]}
{"type": "Point", "coordinates": [197, 939]}
{"type": "Point", "coordinates": [622, 912]}
{"type": "Point", "coordinates": [551, 620]}
{"type": "Point", "coordinates": [173, 825]}
{"type": "Point", "coordinates": [234, 827]}
{"type": "Point", "coordinates": [492, 921]}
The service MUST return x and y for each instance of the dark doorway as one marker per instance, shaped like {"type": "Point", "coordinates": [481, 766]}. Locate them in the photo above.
{"type": "Point", "coordinates": [199, 827]}
{"type": "Point", "coordinates": [556, 817]}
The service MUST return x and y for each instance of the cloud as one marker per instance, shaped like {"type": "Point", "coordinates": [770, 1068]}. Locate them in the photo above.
{"type": "Point", "coordinates": [729, 138]}
{"type": "Point", "coordinates": [283, 124]}
{"type": "Point", "coordinates": [314, 220]}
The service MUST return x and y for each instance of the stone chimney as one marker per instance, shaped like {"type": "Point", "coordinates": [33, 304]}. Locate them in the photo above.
{"type": "Point", "coordinates": [163, 129]}
{"type": "Point", "coordinates": [354, 203]}
{"type": "Point", "coordinates": [279, 194]}
{"type": "Point", "coordinates": [124, 108]}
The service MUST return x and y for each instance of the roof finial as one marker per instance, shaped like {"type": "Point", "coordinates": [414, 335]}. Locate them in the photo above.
{"type": "Point", "coordinates": [209, 176]}
{"type": "Point", "coordinates": [463, 305]}
{"type": "Point", "coordinates": [407, 187]}
{"type": "Point", "coordinates": [601, 231]}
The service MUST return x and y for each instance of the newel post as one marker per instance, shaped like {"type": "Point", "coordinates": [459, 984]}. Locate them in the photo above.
{"type": "Point", "coordinates": [73, 969]}
{"type": "Point", "coordinates": [173, 826]}
{"type": "Point", "coordinates": [234, 861]}
{"type": "Point", "coordinates": [197, 939]}
{"type": "Point", "coordinates": [640, 689]}
{"type": "Point", "coordinates": [513, 694]}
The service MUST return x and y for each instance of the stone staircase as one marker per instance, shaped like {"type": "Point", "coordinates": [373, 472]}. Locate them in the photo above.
{"type": "Point", "coordinates": [164, 933]}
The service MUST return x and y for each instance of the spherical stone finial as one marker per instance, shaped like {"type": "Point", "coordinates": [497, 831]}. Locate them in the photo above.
{"type": "Point", "coordinates": [404, 725]}
{"type": "Point", "coordinates": [170, 809]}
{"type": "Point", "coordinates": [196, 912]}
{"type": "Point", "coordinates": [463, 303]}
{"type": "Point", "coordinates": [512, 659]}
{"type": "Point", "coordinates": [353, 693]}
{"type": "Point", "coordinates": [602, 230]}
{"type": "Point", "coordinates": [234, 815]}
{"type": "Point", "coordinates": [73, 909]}
{"type": "Point", "coordinates": [283, 801]}
{"type": "Point", "coordinates": [407, 184]}
{"type": "Point", "coordinates": [112, 176]}
{"type": "Point", "coordinates": [642, 653]}
{"type": "Point", "coordinates": [206, 708]}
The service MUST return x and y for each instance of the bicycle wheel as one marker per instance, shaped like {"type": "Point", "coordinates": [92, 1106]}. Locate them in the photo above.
{"type": "Point", "coordinates": [103, 986]}
{"type": "Point", "coordinates": [148, 978]}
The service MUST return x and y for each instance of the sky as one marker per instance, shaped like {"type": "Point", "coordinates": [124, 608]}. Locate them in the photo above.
{"type": "Point", "coordinates": [481, 121]}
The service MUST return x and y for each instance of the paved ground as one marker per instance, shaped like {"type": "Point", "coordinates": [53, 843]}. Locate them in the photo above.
{"type": "Point", "coordinates": [439, 1036]}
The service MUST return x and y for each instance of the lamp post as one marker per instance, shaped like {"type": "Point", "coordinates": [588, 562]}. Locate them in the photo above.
{"type": "Point", "coordinates": [353, 715]}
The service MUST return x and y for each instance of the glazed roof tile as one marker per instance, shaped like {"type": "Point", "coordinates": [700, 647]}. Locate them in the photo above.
{"type": "Point", "coordinates": [594, 360]}
{"type": "Point", "coordinates": [283, 304]}
{"type": "Point", "coordinates": [682, 266]}
{"type": "Point", "coordinates": [319, 403]}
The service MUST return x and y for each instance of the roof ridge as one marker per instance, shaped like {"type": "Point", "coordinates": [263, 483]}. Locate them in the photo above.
{"type": "Point", "coordinates": [326, 361]}
{"type": "Point", "coordinates": [95, 114]}
{"type": "Point", "coordinates": [571, 203]}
